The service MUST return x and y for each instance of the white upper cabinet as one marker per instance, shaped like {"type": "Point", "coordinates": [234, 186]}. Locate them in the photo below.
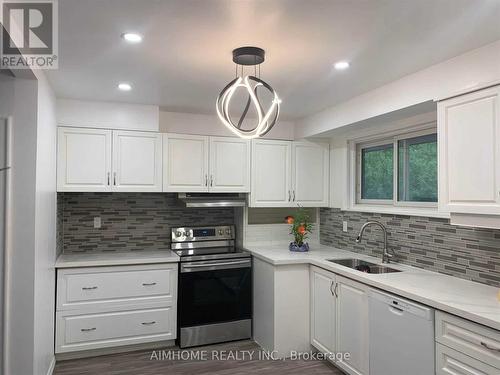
{"type": "Point", "coordinates": [287, 174]}
{"type": "Point", "coordinates": [185, 163]}
{"type": "Point", "coordinates": [137, 161]}
{"type": "Point", "coordinates": [229, 165]}
{"type": "Point", "coordinates": [196, 163]}
{"type": "Point", "coordinates": [469, 153]}
{"type": "Point", "coordinates": [84, 159]}
{"type": "Point", "coordinates": [310, 174]}
{"type": "Point", "coordinates": [323, 310]}
{"type": "Point", "coordinates": [271, 174]}
{"type": "Point", "coordinates": [106, 160]}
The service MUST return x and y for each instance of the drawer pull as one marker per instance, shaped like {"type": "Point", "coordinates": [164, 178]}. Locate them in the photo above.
{"type": "Point", "coordinates": [489, 347]}
{"type": "Point", "coordinates": [88, 329]}
{"type": "Point", "coordinates": [148, 323]}
{"type": "Point", "coordinates": [148, 284]}
{"type": "Point", "coordinates": [89, 288]}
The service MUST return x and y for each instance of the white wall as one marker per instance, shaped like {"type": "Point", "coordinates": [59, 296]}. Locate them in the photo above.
{"type": "Point", "coordinates": [30, 299]}
{"type": "Point", "coordinates": [187, 123]}
{"type": "Point", "coordinates": [92, 114]}
{"type": "Point", "coordinates": [45, 229]}
{"type": "Point", "coordinates": [472, 69]}
{"type": "Point", "coordinates": [21, 261]}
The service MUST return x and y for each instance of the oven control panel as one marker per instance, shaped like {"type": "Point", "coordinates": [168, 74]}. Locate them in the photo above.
{"type": "Point", "coordinates": [194, 234]}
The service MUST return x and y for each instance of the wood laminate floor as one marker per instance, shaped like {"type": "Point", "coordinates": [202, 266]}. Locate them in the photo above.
{"type": "Point", "coordinates": [146, 363]}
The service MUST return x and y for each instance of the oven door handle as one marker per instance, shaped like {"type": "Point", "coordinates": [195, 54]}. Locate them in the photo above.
{"type": "Point", "coordinates": [214, 266]}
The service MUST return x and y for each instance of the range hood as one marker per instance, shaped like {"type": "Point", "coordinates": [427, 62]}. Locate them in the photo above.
{"type": "Point", "coordinates": [212, 199]}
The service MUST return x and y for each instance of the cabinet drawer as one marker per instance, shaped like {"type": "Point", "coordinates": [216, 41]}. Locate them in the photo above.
{"type": "Point", "coordinates": [449, 361]}
{"type": "Point", "coordinates": [474, 340]}
{"type": "Point", "coordinates": [109, 287]}
{"type": "Point", "coordinates": [92, 331]}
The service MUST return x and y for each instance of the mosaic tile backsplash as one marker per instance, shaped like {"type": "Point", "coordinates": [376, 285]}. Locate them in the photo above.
{"type": "Point", "coordinates": [130, 221]}
{"type": "Point", "coordinates": [429, 243]}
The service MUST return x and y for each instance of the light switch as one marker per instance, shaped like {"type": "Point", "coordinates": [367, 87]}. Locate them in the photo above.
{"type": "Point", "coordinates": [97, 222]}
{"type": "Point", "coordinates": [344, 226]}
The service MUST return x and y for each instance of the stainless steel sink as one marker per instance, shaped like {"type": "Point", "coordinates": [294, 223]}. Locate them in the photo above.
{"type": "Point", "coordinates": [363, 266]}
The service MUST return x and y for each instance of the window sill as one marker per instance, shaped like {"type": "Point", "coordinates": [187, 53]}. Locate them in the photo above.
{"type": "Point", "coordinates": [392, 210]}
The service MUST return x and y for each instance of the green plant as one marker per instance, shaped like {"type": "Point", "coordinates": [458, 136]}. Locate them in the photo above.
{"type": "Point", "coordinates": [301, 225]}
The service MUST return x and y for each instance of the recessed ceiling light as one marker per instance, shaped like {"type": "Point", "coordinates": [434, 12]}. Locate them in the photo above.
{"type": "Point", "coordinates": [125, 86]}
{"type": "Point", "coordinates": [341, 65]}
{"type": "Point", "coordinates": [132, 37]}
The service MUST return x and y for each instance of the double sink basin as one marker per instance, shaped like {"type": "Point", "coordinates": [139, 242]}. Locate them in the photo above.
{"type": "Point", "coordinates": [363, 266]}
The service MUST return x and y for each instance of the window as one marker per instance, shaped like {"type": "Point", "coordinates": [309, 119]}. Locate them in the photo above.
{"type": "Point", "coordinates": [377, 167]}
{"type": "Point", "coordinates": [400, 170]}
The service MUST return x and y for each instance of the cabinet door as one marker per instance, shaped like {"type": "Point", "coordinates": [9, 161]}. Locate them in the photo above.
{"type": "Point", "coordinates": [136, 161]}
{"type": "Point", "coordinates": [229, 165]}
{"type": "Point", "coordinates": [185, 163]}
{"type": "Point", "coordinates": [323, 314]}
{"type": "Point", "coordinates": [469, 153]}
{"type": "Point", "coordinates": [352, 325]}
{"type": "Point", "coordinates": [310, 175]}
{"type": "Point", "coordinates": [83, 159]}
{"type": "Point", "coordinates": [270, 177]}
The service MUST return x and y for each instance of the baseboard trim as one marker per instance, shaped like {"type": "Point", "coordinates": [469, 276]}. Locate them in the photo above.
{"type": "Point", "coordinates": [52, 366]}
{"type": "Point", "coordinates": [114, 350]}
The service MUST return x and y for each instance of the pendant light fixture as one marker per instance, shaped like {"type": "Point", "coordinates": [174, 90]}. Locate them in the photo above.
{"type": "Point", "coordinates": [266, 118]}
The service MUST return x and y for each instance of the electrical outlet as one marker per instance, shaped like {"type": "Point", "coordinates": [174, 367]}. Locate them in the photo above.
{"type": "Point", "coordinates": [97, 222]}
{"type": "Point", "coordinates": [344, 226]}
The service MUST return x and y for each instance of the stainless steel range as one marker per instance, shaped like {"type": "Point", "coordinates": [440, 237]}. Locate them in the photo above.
{"type": "Point", "coordinates": [215, 286]}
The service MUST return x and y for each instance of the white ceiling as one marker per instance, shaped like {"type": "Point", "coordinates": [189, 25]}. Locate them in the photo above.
{"type": "Point", "coordinates": [185, 58]}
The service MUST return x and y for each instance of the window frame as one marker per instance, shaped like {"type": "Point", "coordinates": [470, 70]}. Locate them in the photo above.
{"type": "Point", "coordinates": [356, 152]}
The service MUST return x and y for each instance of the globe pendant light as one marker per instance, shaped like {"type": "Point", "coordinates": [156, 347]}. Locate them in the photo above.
{"type": "Point", "coordinates": [266, 118]}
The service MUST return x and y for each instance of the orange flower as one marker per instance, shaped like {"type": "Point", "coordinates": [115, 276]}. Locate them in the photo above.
{"type": "Point", "coordinates": [301, 230]}
{"type": "Point", "coordinates": [289, 219]}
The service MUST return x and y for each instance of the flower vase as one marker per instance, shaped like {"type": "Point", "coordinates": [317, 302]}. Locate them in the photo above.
{"type": "Point", "coordinates": [294, 246]}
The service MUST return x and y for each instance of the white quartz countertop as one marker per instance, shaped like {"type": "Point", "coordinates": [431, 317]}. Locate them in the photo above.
{"type": "Point", "coordinates": [467, 299]}
{"type": "Point", "coordinates": [115, 258]}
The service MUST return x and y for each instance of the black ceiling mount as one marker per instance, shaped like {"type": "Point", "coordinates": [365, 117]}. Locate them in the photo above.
{"type": "Point", "coordinates": [248, 55]}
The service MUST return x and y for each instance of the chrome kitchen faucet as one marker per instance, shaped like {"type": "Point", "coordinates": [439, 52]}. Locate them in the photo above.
{"type": "Point", "coordinates": [386, 256]}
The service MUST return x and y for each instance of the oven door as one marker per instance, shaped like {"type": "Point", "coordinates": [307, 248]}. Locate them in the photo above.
{"type": "Point", "coordinates": [215, 291]}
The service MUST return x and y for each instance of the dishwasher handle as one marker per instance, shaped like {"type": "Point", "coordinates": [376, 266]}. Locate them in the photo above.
{"type": "Point", "coordinates": [402, 305]}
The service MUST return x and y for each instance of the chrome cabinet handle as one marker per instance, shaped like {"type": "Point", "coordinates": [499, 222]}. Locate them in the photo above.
{"type": "Point", "coordinates": [148, 323]}
{"type": "Point", "coordinates": [148, 284]}
{"type": "Point", "coordinates": [289, 195]}
{"type": "Point", "coordinates": [114, 178]}
{"type": "Point", "coordinates": [206, 180]}
{"type": "Point", "coordinates": [109, 178]}
{"type": "Point", "coordinates": [335, 290]}
{"type": "Point", "coordinates": [88, 329]}
{"type": "Point", "coordinates": [89, 288]}
{"type": "Point", "coordinates": [293, 199]}
{"type": "Point", "coordinates": [489, 347]}
{"type": "Point", "coordinates": [331, 290]}
{"type": "Point", "coordinates": [211, 180]}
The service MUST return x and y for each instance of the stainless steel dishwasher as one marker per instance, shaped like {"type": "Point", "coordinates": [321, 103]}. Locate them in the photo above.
{"type": "Point", "coordinates": [401, 336]}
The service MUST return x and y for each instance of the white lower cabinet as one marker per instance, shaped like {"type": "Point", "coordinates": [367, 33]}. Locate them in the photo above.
{"type": "Point", "coordinates": [323, 310]}
{"type": "Point", "coordinates": [352, 325]}
{"type": "Point", "coordinates": [465, 348]}
{"type": "Point", "coordinates": [281, 313]}
{"type": "Point", "coordinates": [103, 307]}
{"type": "Point", "coordinates": [110, 329]}
{"type": "Point", "coordinates": [452, 362]}
{"type": "Point", "coordinates": [339, 319]}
